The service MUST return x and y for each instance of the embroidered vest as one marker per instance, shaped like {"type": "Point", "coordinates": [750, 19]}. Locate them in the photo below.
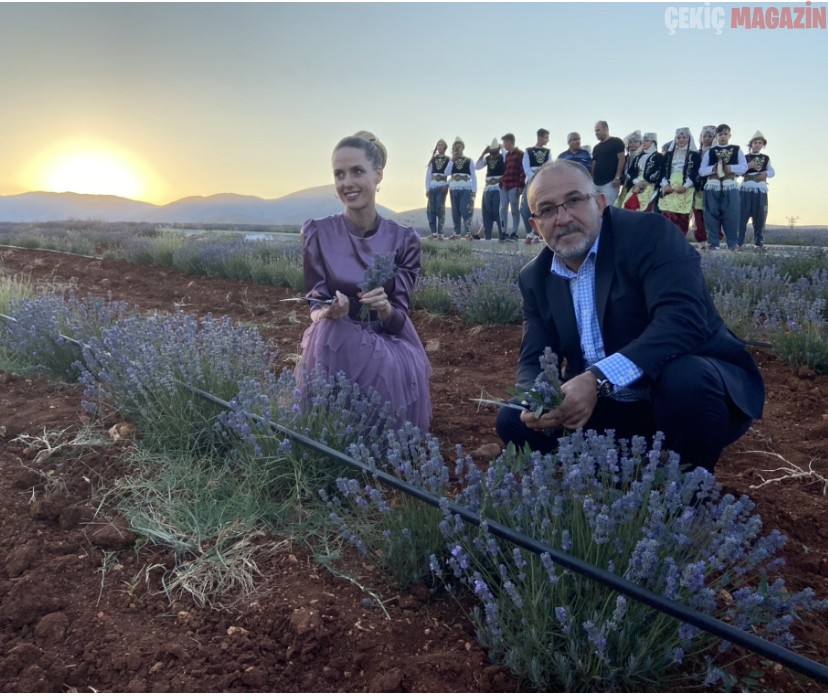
{"type": "Point", "coordinates": [537, 156]}
{"type": "Point", "coordinates": [495, 166]}
{"type": "Point", "coordinates": [439, 164]}
{"type": "Point", "coordinates": [461, 166]}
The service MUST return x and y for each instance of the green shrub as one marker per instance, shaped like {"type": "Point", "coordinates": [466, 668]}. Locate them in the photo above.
{"type": "Point", "coordinates": [433, 294]}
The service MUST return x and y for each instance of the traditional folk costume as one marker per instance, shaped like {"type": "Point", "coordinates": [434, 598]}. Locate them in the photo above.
{"type": "Point", "coordinates": [495, 165]}
{"type": "Point", "coordinates": [533, 158]}
{"type": "Point", "coordinates": [647, 175]}
{"type": "Point", "coordinates": [629, 171]}
{"type": "Point", "coordinates": [680, 169]}
{"type": "Point", "coordinates": [437, 191]}
{"type": "Point", "coordinates": [753, 194]}
{"type": "Point", "coordinates": [462, 189]}
{"type": "Point", "coordinates": [698, 197]}
{"type": "Point", "coordinates": [721, 193]}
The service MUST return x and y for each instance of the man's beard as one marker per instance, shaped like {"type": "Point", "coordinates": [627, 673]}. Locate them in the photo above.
{"type": "Point", "coordinates": [575, 249]}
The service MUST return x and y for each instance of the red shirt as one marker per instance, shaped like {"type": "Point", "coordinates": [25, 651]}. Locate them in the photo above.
{"type": "Point", "coordinates": [513, 175]}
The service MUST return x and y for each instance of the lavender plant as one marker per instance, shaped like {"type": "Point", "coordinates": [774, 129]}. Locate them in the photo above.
{"type": "Point", "coordinates": [396, 531]}
{"type": "Point", "coordinates": [433, 294]}
{"type": "Point", "coordinates": [453, 262]}
{"type": "Point", "coordinates": [490, 294]}
{"type": "Point", "coordinates": [38, 338]}
{"type": "Point", "coordinates": [138, 365]}
{"type": "Point", "coordinates": [332, 411]}
{"type": "Point", "coordinates": [381, 270]}
{"type": "Point", "coordinates": [623, 508]}
{"type": "Point", "coordinates": [158, 250]}
{"type": "Point", "coordinates": [620, 506]}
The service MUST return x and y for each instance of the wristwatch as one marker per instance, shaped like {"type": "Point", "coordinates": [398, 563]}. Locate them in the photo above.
{"type": "Point", "coordinates": [603, 385]}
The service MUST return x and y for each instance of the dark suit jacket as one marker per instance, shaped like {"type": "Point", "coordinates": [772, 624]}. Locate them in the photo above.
{"type": "Point", "coordinates": [653, 305]}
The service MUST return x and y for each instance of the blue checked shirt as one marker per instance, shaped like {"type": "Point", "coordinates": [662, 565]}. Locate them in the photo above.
{"type": "Point", "coordinates": [620, 371]}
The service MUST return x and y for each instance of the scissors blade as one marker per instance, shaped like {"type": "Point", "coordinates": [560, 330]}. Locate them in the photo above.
{"type": "Point", "coordinates": [318, 300]}
{"type": "Point", "coordinates": [497, 402]}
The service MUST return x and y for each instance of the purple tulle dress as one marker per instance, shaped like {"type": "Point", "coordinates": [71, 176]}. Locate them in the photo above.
{"type": "Point", "coordinates": [390, 358]}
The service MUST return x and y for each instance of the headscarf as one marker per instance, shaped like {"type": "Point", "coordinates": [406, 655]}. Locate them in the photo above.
{"type": "Point", "coordinates": [683, 131]}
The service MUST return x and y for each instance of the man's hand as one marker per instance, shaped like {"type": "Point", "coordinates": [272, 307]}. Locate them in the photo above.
{"type": "Point", "coordinates": [580, 397]}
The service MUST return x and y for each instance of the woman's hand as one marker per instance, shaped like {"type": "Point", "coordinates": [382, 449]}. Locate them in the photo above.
{"type": "Point", "coordinates": [377, 300]}
{"type": "Point", "coordinates": [338, 308]}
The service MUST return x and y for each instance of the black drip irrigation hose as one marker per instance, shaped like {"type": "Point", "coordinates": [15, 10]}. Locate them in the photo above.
{"type": "Point", "coordinates": [50, 250]}
{"type": "Point", "coordinates": [751, 642]}
{"type": "Point", "coordinates": [748, 641]}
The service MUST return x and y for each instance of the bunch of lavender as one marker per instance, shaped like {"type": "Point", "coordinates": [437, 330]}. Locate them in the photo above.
{"type": "Point", "coordinates": [138, 365]}
{"type": "Point", "coordinates": [545, 392]}
{"type": "Point", "coordinates": [490, 294]}
{"type": "Point", "coordinates": [36, 339]}
{"type": "Point", "coordinates": [397, 532]}
{"type": "Point", "coordinates": [623, 508]}
{"type": "Point", "coordinates": [381, 270]}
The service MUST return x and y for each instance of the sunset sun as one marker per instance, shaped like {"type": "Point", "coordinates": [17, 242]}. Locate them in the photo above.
{"type": "Point", "coordinates": [93, 174]}
{"type": "Point", "coordinates": [89, 168]}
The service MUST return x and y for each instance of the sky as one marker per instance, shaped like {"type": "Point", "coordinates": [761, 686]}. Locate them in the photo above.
{"type": "Point", "coordinates": [159, 101]}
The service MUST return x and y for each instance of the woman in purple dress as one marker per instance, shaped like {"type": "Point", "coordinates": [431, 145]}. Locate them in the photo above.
{"type": "Point", "coordinates": [380, 350]}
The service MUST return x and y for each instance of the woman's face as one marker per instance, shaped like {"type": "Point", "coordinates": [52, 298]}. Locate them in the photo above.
{"type": "Point", "coordinates": [355, 178]}
{"type": "Point", "coordinates": [682, 141]}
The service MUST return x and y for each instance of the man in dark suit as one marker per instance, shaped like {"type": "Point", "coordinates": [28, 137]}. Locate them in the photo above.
{"type": "Point", "coordinates": [619, 296]}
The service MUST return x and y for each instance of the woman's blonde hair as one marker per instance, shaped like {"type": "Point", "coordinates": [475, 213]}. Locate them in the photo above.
{"type": "Point", "coordinates": [369, 144]}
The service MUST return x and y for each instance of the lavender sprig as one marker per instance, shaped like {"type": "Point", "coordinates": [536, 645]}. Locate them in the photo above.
{"type": "Point", "coordinates": [545, 393]}
{"type": "Point", "coordinates": [382, 269]}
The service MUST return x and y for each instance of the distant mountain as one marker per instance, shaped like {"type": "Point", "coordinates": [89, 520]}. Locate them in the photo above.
{"type": "Point", "coordinates": [54, 206]}
{"type": "Point", "coordinates": [295, 208]}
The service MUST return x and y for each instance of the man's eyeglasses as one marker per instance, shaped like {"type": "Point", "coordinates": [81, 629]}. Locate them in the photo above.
{"type": "Point", "coordinates": [551, 211]}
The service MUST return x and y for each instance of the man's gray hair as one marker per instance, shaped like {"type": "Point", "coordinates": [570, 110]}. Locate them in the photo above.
{"type": "Point", "coordinates": [572, 165]}
{"type": "Point", "coordinates": [571, 136]}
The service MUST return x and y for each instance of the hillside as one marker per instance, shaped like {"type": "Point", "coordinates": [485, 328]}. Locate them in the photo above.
{"type": "Point", "coordinates": [294, 208]}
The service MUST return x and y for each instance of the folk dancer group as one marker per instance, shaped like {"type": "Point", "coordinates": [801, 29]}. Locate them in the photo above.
{"type": "Point", "coordinates": [679, 181]}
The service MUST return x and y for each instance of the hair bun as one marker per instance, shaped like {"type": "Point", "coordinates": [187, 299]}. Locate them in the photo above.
{"type": "Point", "coordinates": [369, 136]}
